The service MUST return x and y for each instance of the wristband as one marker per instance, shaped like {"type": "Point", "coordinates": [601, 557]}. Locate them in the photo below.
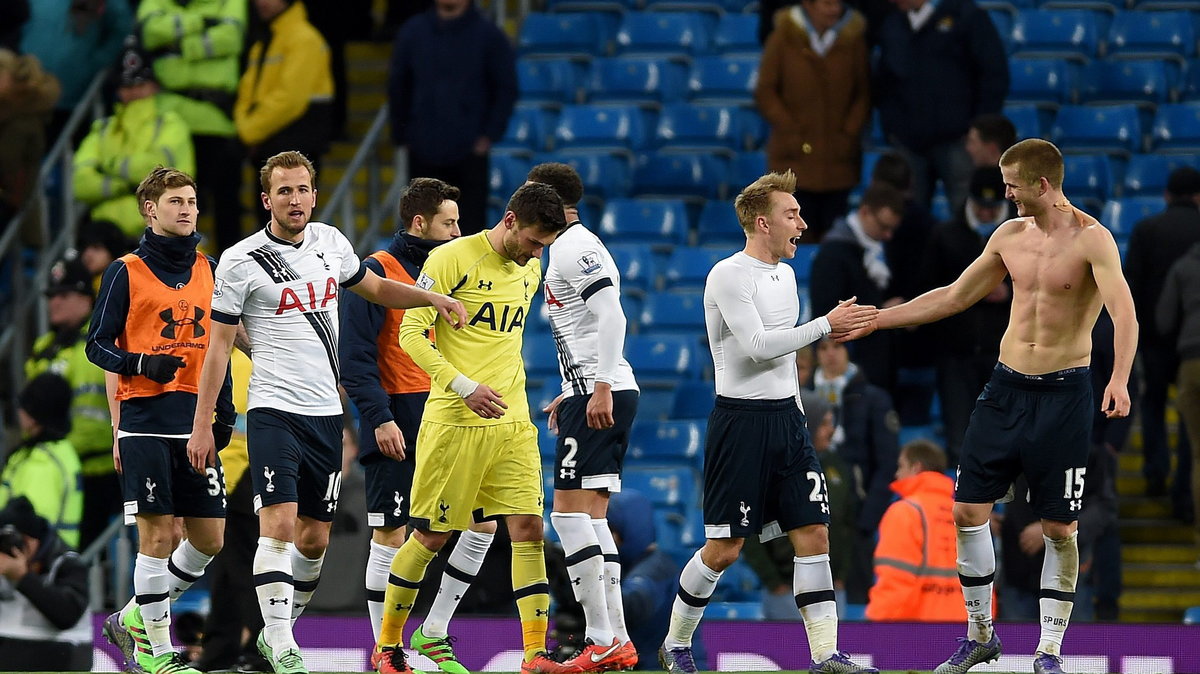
{"type": "Point", "coordinates": [463, 386]}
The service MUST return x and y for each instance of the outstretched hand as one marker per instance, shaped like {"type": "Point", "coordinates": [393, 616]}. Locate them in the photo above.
{"type": "Point", "coordinates": [848, 317]}
{"type": "Point", "coordinates": [450, 309]}
{"type": "Point", "coordinates": [1116, 401]}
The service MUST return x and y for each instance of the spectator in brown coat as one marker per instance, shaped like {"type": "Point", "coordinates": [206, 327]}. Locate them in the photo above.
{"type": "Point", "coordinates": [27, 97]}
{"type": "Point", "coordinates": [813, 91]}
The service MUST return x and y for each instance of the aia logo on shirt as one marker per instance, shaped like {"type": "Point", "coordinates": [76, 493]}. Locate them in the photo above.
{"type": "Point", "coordinates": [182, 314]}
{"type": "Point", "coordinates": [305, 297]}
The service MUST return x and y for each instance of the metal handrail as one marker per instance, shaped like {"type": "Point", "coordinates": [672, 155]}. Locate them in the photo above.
{"type": "Point", "coordinates": [122, 560]}
{"type": "Point", "coordinates": [341, 204]}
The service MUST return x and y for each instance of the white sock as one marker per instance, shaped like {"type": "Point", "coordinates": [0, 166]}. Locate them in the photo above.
{"type": "Point", "coordinates": [812, 583]}
{"type": "Point", "coordinates": [273, 585]}
{"type": "Point", "coordinates": [1060, 570]}
{"type": "Point", "coordinates": [379, 564]}
{"type": "Point", "coordinates": [185, 567]}
{"type": "Point", "coordinates": [612, 577]}
{"type": "Point", "coordinates": [696, 585]}
{"type": "Point", "coordinates": [585, 567]}
{"type": "Point", "coordinates": [976, 572]}
{"type": "Point", "coordinates": [461, 569]}
{"type": "Point", "coordinates": [306, 573]}
{"type": "Point", "coordinates": [151, 588]}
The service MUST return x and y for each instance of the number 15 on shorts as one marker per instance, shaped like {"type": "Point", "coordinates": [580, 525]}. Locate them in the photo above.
{"type": "Point", "coordinates": [1073, 487]}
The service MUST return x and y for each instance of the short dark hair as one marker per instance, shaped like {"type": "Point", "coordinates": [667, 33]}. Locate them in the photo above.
{"type": "Point", "coordinates": [286, 160]}
{"type": "Point", "coordinates": [1183, 182]}
{"type": "Point", "coordinates": [538, 205]}
{"type": "Point", "coordinates": [926, 453]}
{"type": "Point", "coordinates": [158, 181]}
{"type": "Point", "coordinates": [423, 197]}
{"type": "Point", "coordinates": [563, 178]}
{"type": "Point", "coordinates": [892, 168]}
{"type": "Point", "coordinates": [881, 195]}
{"type": "Point", "coordinates": [994, 127]}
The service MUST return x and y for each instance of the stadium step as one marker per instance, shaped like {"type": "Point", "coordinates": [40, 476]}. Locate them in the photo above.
{"type": "Point", "coordinates": [1185, 576]}
{"type": "Point", "coordinates": [1160, 599]}
{"type": "Point", "coordinates": [1136, 530]}
{"type": "Point", "coordinates": [1143, 507]}
{"type": "Point", "coordinates": [1161, 555]}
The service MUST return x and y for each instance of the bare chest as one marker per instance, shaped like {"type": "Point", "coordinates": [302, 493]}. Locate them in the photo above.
{"type": "Point", "coordinates": [1048, 266]}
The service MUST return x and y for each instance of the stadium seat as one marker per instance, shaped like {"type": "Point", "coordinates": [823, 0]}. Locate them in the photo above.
{"type": "Point", "coordinates": [685, 126]}
{"type": "Point", "coordinates": [549, 80]}
{"type": "Point", "coordinates": [718, 223]}
{"type": "Point", "coordinates": [505, 174]}
{"type": "Point", "coordinates": [1041, 80]}
{"type": "Point", "coordinates": [680, 313]}
{"type": "Point", "coordinates": [737, 34]}
{"type": "Point", "coordinates": [637, 79]}
{"type": "Point", "coordinates": [577, 35]}
{"type": "Point", "coordinates": [1191, 616]}
{"type": "Point", "coordinates": [605, 175]}
{"type": "Point", "coordinates": [745, 168]}
{"type": "Point", "coordinates": [1120, 80]}
{"type": "Point", "coordinates": [801, 263]}
{"type": "Point", "coordinates": [663, 359]}
{"type": "Point", "coordinates": [1146, 174]}
{"type": "Point", "coordinates": [1086, 178]}
{"type": "Point", "coordinates": [687, 268]}
{"type": "Point", "coordinates": [636, 265]}
{"type": "Point", "coordinates": [1027, 119]}
{"type": "Point", "coordinates": [1098, 128]}
{"type": "Point", "coordinates": [735, 610]}
{"type": "Point", "coordinates": [695, 175]}
{"type": "Point", "coordinates": [693, 400]}
{"type": "Point", "coordinates": [724, 79]}
{"type": "Point", "coordinates": [738, 583]}
{"type": "Point", "coordinates": [755, 129]}
{"type": "Point", "coordinates": [619, 127]}
{"type": "Point", "coordinates": [927, 432]}
{"type": "Point", "coordinates": [675, 533]}
{"type": "Point", "coordinates": [683, 33]}
{"type": "Point", "coordinates": [540, 356]}
{"type": "Point", "coordinates": [540, 397]}
{"type": "Point", "coordinates": [1177, 127]}
{"type": "Point", "coordinates": [668, 443]}
{"type": "Point", "coordinates": [1120, 215]}
{"type": "Point", "coordinates": [1066, 33]}
{"type": "Point", "coordinates": [1152, 33]}
{"type": "Point", "coordinates": [530, 129]}
{"type": "Point", "coordinates": [652, 221]}
{"type": "Point", "coordinates": [592, 5]}
{"type": "Point", "coordinates": [654, 404]}
{"type": "Point", "coordinates": [670, 486]}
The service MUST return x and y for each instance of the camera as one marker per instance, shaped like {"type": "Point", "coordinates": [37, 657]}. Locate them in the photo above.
{"type": "Point", "coordinates": [11, 540]}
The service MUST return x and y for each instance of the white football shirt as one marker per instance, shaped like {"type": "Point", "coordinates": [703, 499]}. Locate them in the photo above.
{"type": "Point", "coordinates": [750, 313]}
{"type": "Point", "coordinates": [579, 267]}
{"type": "Point", "coordinates": [287, 297]}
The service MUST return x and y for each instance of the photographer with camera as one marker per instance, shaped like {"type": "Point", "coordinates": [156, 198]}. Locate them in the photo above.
{"type": "Point", "coordinates": [44, 621]}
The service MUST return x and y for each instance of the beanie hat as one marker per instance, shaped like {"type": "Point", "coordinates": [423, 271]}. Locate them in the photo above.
{"type": "Point", "coordinates": [19, 512]}
{"type": "Point", "coordinates": [47, 400]}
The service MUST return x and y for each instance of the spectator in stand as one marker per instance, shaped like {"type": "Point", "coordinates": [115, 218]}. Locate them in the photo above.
{"type": "Point", "coordinates": [27, 97]}
{"type": "Point", "coordinates": [813, 89]}
{"type": "Point", "coordinates": [1103, 574]}
{"type": "Point", "coordinates": [866, 438]}
{"type": "Point", "coordinates": [851, 263]}
{"type": "Point", "coordinates": [452, 52]}
{"type": "Point", "coordinates": [61, 351]}
{"type": "Point", "coordinates": [142, 133]}
{"type": "Point", "coordinates": [285, 97]}
{"type": "Point", "coordinates": [989, 136]}
{"type": "Point", "coordinates": [44, 619]}
{"type": "Point", "coordinates": [1155, 244]}
{"type": "Point", "coordinates": [941, 64]}
{"type": "Point", "coordinates": [75, 40]}
{"type": "Point", "coordinates": [195, 47]}
{"type": "Point", "coordinates": [44, 468]}
{"type": "Point", "coordinates": [968, 344]}
{"type": "Point", "coordinates": [915, 561]}
{"type": "Point", "coordinates": [99, 243]}
{"type": "Point", "coordinates": [1179, 316]}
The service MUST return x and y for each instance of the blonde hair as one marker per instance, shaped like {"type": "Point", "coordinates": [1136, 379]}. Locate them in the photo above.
{"type": "Point", "coordinates": [286, 160]}
{"type": "Point", "coordinates": [1035, 159]}
{"type": "Point", "coordinates": [755, 199]}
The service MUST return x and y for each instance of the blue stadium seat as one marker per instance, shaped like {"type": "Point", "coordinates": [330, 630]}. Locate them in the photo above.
{"type": "Point", "coordinates": [1177, 127]}
{"type": "Point", "coordinates": [680, 313]}
{"type": "Point", "coordinates": [540, 356]}
{"type": "Point", "coordinates": [735, 610]}
{"type": "Point", "coordinates": [1146, 174]}
{"type": "Point", "coordinates": [539, 398]}
{"type": "Point", "coordinates": [605, 175]}
{"type": "Point", "coordinates": [592, 5]}
{"type": "Point", "coordinates": [663, 358]}
{"type": "Point", "coordinates": [755, 129]}
{"type": "Point", "coordinates": [687, 268]}
{"type": "Point", "coordinates": [1087, 178]}
{"type": "Point", "coordinates": [737, 34]}
{"type": "Point", "coordinates": [696, 175]}
{"type": "Point", "coordinates": [1120, 215]}
{"type": "Point", "coordinates": [549, 80]}
{"type": "Point", "coordinates": [1027, 119]}
{"type": "Point", "coordinates": [718, 223]}
{"type": "Point", "coordinates": [745, 168]}
{"type": "Point", "coordinates": [1192, 616]}
{"type": "Point", "coordinates": [1067, 33]}
{"type": "Point", "coordinates": [801, 264]}
{"type": "Point", "coordinates": [738, 584]}
{"type": "Point", "coordinates": [670, 486]}
{"type": "Point", "coordinates": [686, 126]}
{"type": "Point", "coordinates": [505, 174]}
{"type": "Point", "coordinates": [530, 129]}
{"type": "Point", "coordinates": [654, 404]}
{"type": "Point", "coordinates": [601, 127]}
{"type": "Point", "coordinates": [662, 221]}
{"type": "Point", "coordinates": [927, 432]}
{"type": "Point", "coordinates": [675, 443]}
{"type": "Point", "coordinates": [637, 79]}
{"type": "Point", "coordinates": [663, 33]}
{"type": "Point", "coordinates": [1040, 80]}
{"type": "Point", "coordinates": [1132, 80]}
{"type": "Point", "coordinates": [724, 78]}
{"type": "Point", "coordinates": [636, 264]}
{"type": "Point", "coordinates": [1152, 33]}
{"type": "Point", "coordinates": [1098, 128]}
{"type": "Point", "coordinates": [580, 34]}
{"type": "Point", "coordinates": [875, 138]}
{"type": "Point", "coordinates": [693, 400]}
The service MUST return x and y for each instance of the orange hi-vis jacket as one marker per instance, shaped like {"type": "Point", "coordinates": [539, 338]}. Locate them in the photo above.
{"type": "Point", "coordinates": [397, 371]}
{"type": "Point", "coordinates": [915, 561]}
{"type": "Point", "coordinates": [166, 320]}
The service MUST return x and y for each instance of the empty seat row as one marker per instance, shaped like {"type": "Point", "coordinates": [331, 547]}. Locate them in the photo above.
{"type": "Point", "coordinates": [658, 359]}
{"type": "Point", "coordinates": [637, 79]}
{"type": "Point", "coordinates": [1106, 6]}
{"type": "Point", "coordinates": [635, 5]}
{"type": "Point", "coordinates": [1114, 128]}
{"type": "Point", "coordinates": [1082, 34]}
{"type": "Point", "coordinates": [1056, 81]}
{"type": "Point", "coordinates": [590, 34]}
